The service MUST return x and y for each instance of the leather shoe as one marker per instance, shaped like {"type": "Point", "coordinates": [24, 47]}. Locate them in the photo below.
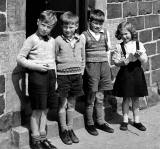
{"type": "Point", "coordinates": [92, 130]}
{"type": "Point", "coordinates": [105, 127]}
{"type": "Point", "coordinates": [73, 136]}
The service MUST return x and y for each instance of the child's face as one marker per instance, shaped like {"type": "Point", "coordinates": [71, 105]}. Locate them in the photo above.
{"type": "Point", "coordinates": [69, 30]}
{"type": "Point", "coordinates": [126, 35]}
{"type": "Point", "coordinates": [44, 28]}
{"type": "Point", "coordinates": [96, 26]}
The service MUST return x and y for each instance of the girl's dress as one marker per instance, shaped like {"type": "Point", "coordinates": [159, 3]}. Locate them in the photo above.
{"type": "Point", "coordinates": [130, 80]}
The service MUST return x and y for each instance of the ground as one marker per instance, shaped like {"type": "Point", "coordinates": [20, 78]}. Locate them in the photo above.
{"type": "Point", "coordinates": [131, 139]}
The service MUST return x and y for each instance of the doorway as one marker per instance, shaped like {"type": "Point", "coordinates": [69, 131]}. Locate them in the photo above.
{"type": "Point", "coordinates": [33, 9]}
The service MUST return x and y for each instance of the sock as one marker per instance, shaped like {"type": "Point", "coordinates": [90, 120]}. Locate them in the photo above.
{"type": "Point", "coordinates": [125, 118]}
{"type": "Point", "coordinates": [70, 118]}
{"type": "Point", "coordinates": [43, 135]}
{"type": "Point", "coordinates": [99, 113]}
{"type": "Point", "coordinates": [136, 119]}
{"type": "Point", "coordinates": [62, 120]}
{"type": "Point", "coordinates": [35, 138]}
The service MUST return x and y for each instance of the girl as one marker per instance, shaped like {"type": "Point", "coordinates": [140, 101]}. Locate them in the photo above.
{"type": "Point", "coordinates": [130, 81]}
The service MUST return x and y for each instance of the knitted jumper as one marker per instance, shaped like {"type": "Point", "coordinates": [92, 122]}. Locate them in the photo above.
{"type": "Point", "coordinates": [70, 59]}
{"type": "Point", "coordinates": [37, 50]}
{"type": "Point", "coordinates": [96, 51]}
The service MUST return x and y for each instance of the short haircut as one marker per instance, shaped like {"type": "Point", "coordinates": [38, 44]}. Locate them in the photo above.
{"type": "Point", "coordinates": [49, 17]}
{"type": "Point", "coordinates": [129, 27]}
{"type": "Point", "coordinates": [97, 15]}
{"type": "Point", "coordinates": [69, 18]}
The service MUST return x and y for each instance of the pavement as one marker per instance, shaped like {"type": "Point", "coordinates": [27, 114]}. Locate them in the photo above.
{"type": "Point", "coordinates": [130, 139]}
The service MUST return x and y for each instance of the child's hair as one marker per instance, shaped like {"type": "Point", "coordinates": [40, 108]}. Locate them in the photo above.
{"type": "Point", "coordinates": [129, 27]}
{"type": "Point", "coordinates": [97, 15]}
{"type": "Point", "coordinates": [69, 18]}
{"type": "Point", "coordinates": [48, 16]}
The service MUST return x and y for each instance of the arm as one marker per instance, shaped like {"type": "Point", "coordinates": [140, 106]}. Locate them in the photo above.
{"type": "Point", "coordinates": [142, 54]}
{"type": "Point", "coordinates": [109, 48]}
{"type": "Point", "coordinates": [118, 59]}
{"type": "Point", "coordinates": [23, 54]}
{"type": "Point", "coordinates": [82, 38]}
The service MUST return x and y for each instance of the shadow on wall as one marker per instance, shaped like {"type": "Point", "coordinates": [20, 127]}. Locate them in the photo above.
{"type": "Point", "coordinates": [19, 82]}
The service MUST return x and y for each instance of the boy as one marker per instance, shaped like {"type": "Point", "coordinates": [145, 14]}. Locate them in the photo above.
{"type": "Point", "coordinates": [70, 67]}
{"type": "Point", "coordinates": [97, 72]}
{"type": "Point", "coordinates": [38, 56]}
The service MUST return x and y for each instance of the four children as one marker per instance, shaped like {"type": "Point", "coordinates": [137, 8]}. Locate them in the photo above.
{"type": "Point", "coordinates": [69, 56]}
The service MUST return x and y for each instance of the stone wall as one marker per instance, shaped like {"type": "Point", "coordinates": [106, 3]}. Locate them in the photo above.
{"type": "Point", "coordinates": [145, 16]}
{"type": "Point", "coordinates": [12, 35]}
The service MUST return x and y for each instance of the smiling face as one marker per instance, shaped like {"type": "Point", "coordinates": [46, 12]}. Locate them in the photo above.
{"type": "Point", "coordinates": [96, 26]}
{"type": "Point", "coordinates": [126, 35]}
{"type": "Point", "coordinates": [44, 28]}
{"type": "Point", "coordinates": [69, 30]}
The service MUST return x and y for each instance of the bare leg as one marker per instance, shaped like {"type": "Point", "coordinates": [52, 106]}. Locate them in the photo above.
{"type": "Point", "coordinates": [125, 109]}
{"type": "Point", "coordinates": [34, 122]}
{"type": "Point", "coordinates": [43, 123]}
{"type": "Point", "coordinates": [135, 109]}
{"type": "Point", "coordinates": [62, 113]}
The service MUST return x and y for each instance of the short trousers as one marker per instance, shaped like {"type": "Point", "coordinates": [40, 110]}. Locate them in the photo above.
{"type": "Point", "coordinates": [70, 85]}
{"type": "Point", "coordinates": [41, 89]}
{"type": "Point", "coordinates": [98, 76]}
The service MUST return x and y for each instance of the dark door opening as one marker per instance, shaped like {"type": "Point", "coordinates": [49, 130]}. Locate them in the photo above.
{"type": "Point", "coordinates": [33, 9]}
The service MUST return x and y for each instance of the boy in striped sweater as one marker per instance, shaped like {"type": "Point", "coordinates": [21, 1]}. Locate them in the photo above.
{"type": "Point", "coordinates": [97, 71]}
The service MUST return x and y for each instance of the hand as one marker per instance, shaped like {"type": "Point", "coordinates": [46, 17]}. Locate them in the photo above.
{"type": "Point", "coordinates": [138, 54]}
{"type": "Point", "coordinates": [40, 67]}
{"type": "Point", "coordinates": [56, 85]}
{"type": "Point", "coordinates": [126, 61]}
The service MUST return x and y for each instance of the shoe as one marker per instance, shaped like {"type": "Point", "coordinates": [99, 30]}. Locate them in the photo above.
{"type": "Point", "coordinates": [105, 127]}
{"type": "Point", "coordinates": [36, 145]}
{"type": "Point", "coordinates": [139, 126]}
{"type": "Point", "coordinates": [124, 126]}
{"type": "Point", "coordinates": [65, 137]}
{"type": "Point", "coordinates": [92, 130]}
{"type": "Point", "coordinates": [47, 144]}
{"type": "Point", "coordinates": [73, 136]}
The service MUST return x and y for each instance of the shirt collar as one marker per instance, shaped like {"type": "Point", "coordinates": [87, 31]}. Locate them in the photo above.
{"type": "Point", "coordinates": [75, 38]}
{"type": "Point", "coordinates": [72, 41]}
{"type": "Point", "coordinates": [45, 38]}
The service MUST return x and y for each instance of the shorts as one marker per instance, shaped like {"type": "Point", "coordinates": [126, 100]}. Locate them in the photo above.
{"type": "Point", "coordinates": [98, 76]}
{"type": "Point", "coordinates": [41, 89]}
{"type": "Point", "coordinates": [70, 85]}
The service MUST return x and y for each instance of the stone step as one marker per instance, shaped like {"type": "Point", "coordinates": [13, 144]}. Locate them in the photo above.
{"type": "Point", "coordinates": [20, 134]}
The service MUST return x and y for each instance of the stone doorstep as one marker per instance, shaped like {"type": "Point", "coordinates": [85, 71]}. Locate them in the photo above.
{"type": "Point", "coordinates": [20, 134]}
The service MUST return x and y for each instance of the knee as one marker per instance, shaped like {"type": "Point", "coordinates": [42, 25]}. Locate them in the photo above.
{"type": "Point", "coordinates": [62, 104]}
{"type": "Point", "coordinates": [36, 113]}
{"type": "Point", "coordinates": [70, 107]}
{"type": "Point", "coordinates": [91, 98]}
{"type": "Point", "coordinates": [99, 102]}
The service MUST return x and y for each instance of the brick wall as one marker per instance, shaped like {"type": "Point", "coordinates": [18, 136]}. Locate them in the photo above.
{"type": "Point", "coordinates": [12, 35]}
{"type": "Point", "coordinates": [145, 16]}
